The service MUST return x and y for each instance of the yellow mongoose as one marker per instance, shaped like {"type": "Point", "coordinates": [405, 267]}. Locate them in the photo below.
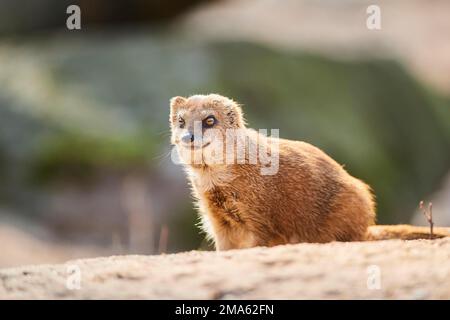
{"type": "Point", "coordinates": [309, 197]}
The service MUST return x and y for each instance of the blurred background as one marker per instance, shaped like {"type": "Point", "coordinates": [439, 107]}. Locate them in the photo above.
{"type": "Point", "coordinates": [85, 168]}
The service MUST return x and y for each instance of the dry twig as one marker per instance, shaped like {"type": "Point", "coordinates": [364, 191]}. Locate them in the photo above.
{"type": "Point", "coordinates": [428, 213]}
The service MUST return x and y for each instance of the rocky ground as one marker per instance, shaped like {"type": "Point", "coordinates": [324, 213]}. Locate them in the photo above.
{"type": "Point", "coordinates": [391, 269]}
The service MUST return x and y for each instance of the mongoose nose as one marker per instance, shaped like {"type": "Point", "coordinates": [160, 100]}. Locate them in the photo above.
{"type": "Point", "coordinates": [187, 138]}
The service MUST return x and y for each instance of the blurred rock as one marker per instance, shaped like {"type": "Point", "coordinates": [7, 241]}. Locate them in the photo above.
{"type": "Point", "coordinates": [417, 32]}
{"type": "Point", "coordinates": [23, 244]}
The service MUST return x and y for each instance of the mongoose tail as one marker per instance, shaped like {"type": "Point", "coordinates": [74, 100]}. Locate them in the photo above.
{"type": "Point", "coordinates": [404, 232]}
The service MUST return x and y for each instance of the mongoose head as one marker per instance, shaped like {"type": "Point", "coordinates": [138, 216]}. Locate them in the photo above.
{"type": "Point", "coordinates": [199, 122]}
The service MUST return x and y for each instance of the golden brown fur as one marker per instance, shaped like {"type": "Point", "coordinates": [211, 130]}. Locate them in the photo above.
{"type": "Point", "coordinates": [310, 199]}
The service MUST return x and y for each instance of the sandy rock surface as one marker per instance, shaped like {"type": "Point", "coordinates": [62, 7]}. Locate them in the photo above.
{"type": "Point", "coordinates": [418, 269]}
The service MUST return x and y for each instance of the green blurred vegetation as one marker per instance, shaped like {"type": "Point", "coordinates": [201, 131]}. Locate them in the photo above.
{"type": "Point", "coordinates": [79, 158]}
{"type": "Point", "coordinates": [187, 234]}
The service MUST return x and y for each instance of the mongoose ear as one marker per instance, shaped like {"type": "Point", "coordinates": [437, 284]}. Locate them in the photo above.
{"type": "Point", "coordinates": [177, 101]}
{"type": "Point", "coordinates": [235, 113]}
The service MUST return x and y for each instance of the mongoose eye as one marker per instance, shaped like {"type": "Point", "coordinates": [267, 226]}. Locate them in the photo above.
{"type": "Point", "coordinates": [181, 122]}
{"type": "Point", "coordinates": [209, 121]}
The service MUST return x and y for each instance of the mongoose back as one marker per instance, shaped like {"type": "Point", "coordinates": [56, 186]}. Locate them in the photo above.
{"type": "Point", "coordinates": [310, 197]}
